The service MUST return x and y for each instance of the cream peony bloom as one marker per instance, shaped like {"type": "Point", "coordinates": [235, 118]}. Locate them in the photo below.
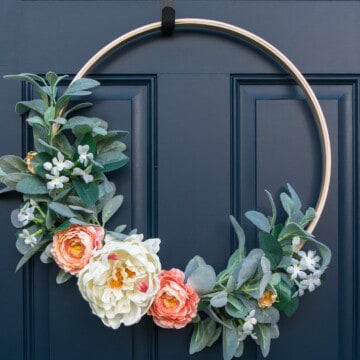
{"type": "Point", "coordinates": [121, 279]}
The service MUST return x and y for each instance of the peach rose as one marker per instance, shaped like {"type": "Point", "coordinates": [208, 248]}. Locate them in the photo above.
{"type": "Point", "coordinates": [175, 304]}
{"type": "Point", "coordinates": [73, 247]}
{"type": "Point", "coordinates": [267, 299]}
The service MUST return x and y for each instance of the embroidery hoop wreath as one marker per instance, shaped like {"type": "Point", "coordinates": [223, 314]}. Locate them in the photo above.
{"type": "Point", "coordinates": [242, 301]}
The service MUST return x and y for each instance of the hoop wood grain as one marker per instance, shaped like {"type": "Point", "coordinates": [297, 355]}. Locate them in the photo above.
{"type": "Point", "coordinates": [281, 59]}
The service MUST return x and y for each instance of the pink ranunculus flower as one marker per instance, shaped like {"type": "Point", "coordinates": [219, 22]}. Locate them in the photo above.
{"type": "Point", "coordinates": [175, 304]}
{"type": "Point", "coordinates": [73, 247]}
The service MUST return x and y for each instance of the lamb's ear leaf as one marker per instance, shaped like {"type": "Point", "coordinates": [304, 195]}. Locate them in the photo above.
{"type": "Point", "coordinates": [38, 247]}
{"type": "Point", "coordinates": [111, 207]}
{"type": "Point", "coordinates": [259, 220]}
{"type": "Point", "coordinates": [32, 185]}
{"type": "Point", "coordinates": [203, 279]}
{"type": "Point", "coordinates": [240, 236]}
{"type": "Point", "coordinates": [62, 276]}
{"type": "Point", "coordinates": [230, 342]}
{"type": "Point", "coordinates": [88, 192]}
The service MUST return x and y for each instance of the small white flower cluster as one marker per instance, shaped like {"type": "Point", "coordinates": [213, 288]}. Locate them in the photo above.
{"type": "Point", "coordinates": [247, 327]}
{"type": "Point", "coordinates": [59, 164]}
{"type": "Point", "coordinates": [306, 271]}
{"type": "Point", "coordinates": [29, 239]}
{"type": "Point", "coordinates": [26, 213]}
{"type": "Point", "coordinates": [84, 157]}
{"type": "Point", "coordinates": [25, 216]}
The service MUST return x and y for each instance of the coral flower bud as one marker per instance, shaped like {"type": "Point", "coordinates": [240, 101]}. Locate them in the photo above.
{"type": "Point", "coordinates": [267, 299]}
{"type": "Point", "coordinates": [30, 155]}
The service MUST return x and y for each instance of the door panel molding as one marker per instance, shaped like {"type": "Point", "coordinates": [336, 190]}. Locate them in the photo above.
{"type": "Point", "coordinates": [253, 100]}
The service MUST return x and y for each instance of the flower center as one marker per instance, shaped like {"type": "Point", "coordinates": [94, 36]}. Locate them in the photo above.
{"type": "Point", "coordinates": [76, 249]}
{"type": "Point", "coordinates": [118, 280]}
{"type": "Point", "coordinates": [170, 301]}
{"type": "Point", "coordinates": [267, 299]}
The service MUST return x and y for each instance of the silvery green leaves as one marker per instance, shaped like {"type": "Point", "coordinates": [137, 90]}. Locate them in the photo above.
{"type": "Point", "coordinates": [48, 88]}
{"type": "Point", "coordinates": [246, 298]}
{"type": "Point", "coordinates": [13, 169]}
{"type": "Point", "coordinates": [200, 276]}
{"type": "Point", "coordinates": [65, 175]}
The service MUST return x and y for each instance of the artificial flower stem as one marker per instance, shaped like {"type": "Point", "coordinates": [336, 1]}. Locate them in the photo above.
{"type": "Point", "coordinates": [40, 211]}
{"type": "Point", "coordinates": [38, 221]}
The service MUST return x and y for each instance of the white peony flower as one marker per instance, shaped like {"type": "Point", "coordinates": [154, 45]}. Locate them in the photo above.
{"type": "Point", "coordinates": [84, 155]}
{"type": "Point", "coordinates": [121, 279]}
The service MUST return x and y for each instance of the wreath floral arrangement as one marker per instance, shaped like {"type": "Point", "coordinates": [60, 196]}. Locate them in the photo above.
{"type": "Point", "coordinates": [68, 200]}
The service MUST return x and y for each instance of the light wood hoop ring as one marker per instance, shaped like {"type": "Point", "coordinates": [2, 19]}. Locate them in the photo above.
{"type": "Point", "coordinates": [281, 59]}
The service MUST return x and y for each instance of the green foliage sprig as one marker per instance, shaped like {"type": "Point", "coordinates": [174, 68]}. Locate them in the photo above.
{"type": "Point", "coordinates": [246, 298]}
{"type": "Point", "coordinates": [63, 181]}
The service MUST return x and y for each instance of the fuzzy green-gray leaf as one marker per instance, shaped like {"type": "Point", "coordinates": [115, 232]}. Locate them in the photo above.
{"type": "Point", "coordinates": [80, 85]}
{"type": "Point", "coordinates": [263, 338]}
{"type": "Point", "coordinates": [259, 220]}
{"type": "Point", "coordinates": [62, 277]}
{"type": "Point", "coordinates": [62, 209]}
{"type": "Point", "coordinates": [250, 264]}
{"type": "Point", "coordinates": [77, 107]}
{"type": "Point", "coordinates": [235, 307]}
{"type": "Point", "coordinates": [273, 208]}
{"type": "Point", "coordinates": [202, 335]}
{"type": "Point", "coordinates": [220, 299]}
{"type": "Point", "coordinates": [203, 279]}
{"type": "Point", "coordinates": [89, 193]}
{"type": "Point", "coordinates": [120, 229]}
{"type": "Point", "coordinates": [12, 164]}
{"type": "Point", "coordinates": [32, 185]}
{"type": "Point", "coordinates": [30, 78]}
{"type": "Point", "coordinates": [271, 247]}
{"type": "Point", "coordinates": [11, 180]}
{"type": "Point", "coordinates": [111, 207]}
{"type": "Point", "coordinates": [229, 343]}
{"type": "Point", "coordinates": [31, 253]}
{"type": "Point", "coordinates": [14, 219]}
{"type": "Point", "coordinates": [240, 236]}
{"type": "Point", "coordinates": [111, 160]}
{"type": "Point", "coordinates": [192, 265]}
{"type": "Point", "coordinates": [291, 230]}
{"type": "Point", "coordinates": [36, 105]}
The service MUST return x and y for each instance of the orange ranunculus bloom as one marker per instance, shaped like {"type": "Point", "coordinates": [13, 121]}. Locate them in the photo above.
{"type": "Point", "coordinates": [267, 299]}
{"type": "Point", "coordinates": [72, 248]}
{"type": "Point", "coordinates": [175, 304]}
{"type": "Point", "coordinates": [30, 155]}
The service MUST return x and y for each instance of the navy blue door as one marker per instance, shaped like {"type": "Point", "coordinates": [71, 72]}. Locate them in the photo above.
{"type": "Point", "coordinates": [213, 122]}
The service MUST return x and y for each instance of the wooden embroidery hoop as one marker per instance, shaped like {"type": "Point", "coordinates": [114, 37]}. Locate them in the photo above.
{"type": "Point", "coordinates": [281, 59]}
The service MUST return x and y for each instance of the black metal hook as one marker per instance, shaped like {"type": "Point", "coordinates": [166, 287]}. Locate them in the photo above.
{"type": "Point", "coordinates": [167, 17]}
